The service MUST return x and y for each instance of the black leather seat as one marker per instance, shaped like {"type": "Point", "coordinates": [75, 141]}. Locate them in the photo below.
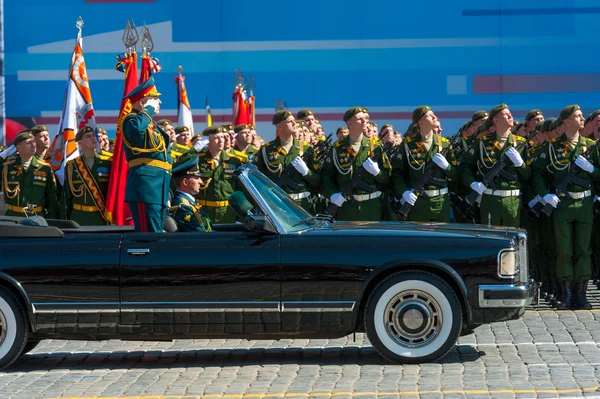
{"type": "Point", "coordinates": [170, 225]}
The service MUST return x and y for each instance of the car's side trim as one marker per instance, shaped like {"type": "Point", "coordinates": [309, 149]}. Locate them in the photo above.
{"type": "Point", "coordinates": [75, 307]}
{"type": "Point", "coordinates": [317, 306]}
{"type": "Point", "coordinates": [266, 306]}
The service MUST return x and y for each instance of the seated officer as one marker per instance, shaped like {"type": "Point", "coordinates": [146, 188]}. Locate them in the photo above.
{"type": "Point", "coordinates": [185, 210]}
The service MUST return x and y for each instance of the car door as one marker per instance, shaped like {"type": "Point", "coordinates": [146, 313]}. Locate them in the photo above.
{"type": "Point", "coordinates": [224, 281]}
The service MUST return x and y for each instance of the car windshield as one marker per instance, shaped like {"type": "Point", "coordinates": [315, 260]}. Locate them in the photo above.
{"type": "Point", "coordinates": [289, 215]}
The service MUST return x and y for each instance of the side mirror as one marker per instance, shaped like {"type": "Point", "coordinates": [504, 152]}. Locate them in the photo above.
{"type": "Point", "coordinates": [259, 223]}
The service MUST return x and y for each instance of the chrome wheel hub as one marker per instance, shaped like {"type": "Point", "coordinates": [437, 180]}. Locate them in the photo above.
{"type": "Point", "coordinates": [413, 318]}
{"type": "Point", "coordinates": [3, 328]}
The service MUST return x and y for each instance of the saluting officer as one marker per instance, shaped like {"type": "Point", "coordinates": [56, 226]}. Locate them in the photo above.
{"type": "Point", "coordinates": [574, 213]}
{"type": "Point", "coordinates": [27, 180]}
{"type": "Point", "coordinates": [276, 156]}
{"type": "Point", "coordinates": [87, 182]}
{"type": "Point", "coordinates": [147, 150]}
{"type": "Point", "coordinates": [410, 162]}
{"type": "Point", "coordinates": [502, 205]}
{"type": "Point", "coordinates": [347, 156]}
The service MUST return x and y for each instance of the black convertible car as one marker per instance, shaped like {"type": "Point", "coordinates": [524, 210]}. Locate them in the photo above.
{"type": "Point", "coordinates": [414, 288]}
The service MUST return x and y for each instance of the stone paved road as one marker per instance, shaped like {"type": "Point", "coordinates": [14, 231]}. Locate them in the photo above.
{"type": "Point", "coordinates": [546, 354]}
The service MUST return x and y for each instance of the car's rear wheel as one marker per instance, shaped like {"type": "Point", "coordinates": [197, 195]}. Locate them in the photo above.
{"type": "Point", "coordinates": [413, 317]}
{"type": "Point", "coordinates": [14, 328]}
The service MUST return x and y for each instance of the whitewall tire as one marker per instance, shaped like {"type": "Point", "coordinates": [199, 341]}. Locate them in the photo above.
{"type": "Point", "coordinates": [14, 328]}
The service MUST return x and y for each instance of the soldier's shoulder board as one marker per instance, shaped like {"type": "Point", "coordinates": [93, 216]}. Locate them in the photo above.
{"type": "Point", "coordinates": [306, 144]}
{"type": "Point", "coordinates": [589, 142]}
{"type": "Point", "coordinates": [240, 156]}
{"type": "Point", "coordinates": [44, 163]}
{"type": "Point", "coordinates": [554, 140]}
{"type": "Point", "coordinates": [445, 140]}
{"type": "Point", "coordinates": [337, 144]}
{"type": "Point", "coordinates": [519, 138]}
{"type": "Point", "coordinates": [106, 158]}
{"type": "Point", "coordinates": [484, 137]}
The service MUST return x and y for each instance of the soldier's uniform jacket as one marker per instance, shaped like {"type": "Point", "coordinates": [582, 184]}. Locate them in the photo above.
{"type": "Point", "coordinates": [554, 161]}
{"type": "Point", "coordinates": [177, 150]}
{"type": "Point", "coordinates": [250, 151]}
{"type": "Point", "coordinates": [483, 155]}
{"type": "Point", "coordinates": [342, 162]}
{"type": "Point", "coordinates": [147, 150]}
{"type": "Point", "coordinates": [86, 189]}
{"type": "Point", "coordinates": [412, 158]}
{"type": "Point", "coordinates": [35, 186]}
{"type": "Point", "coordinates": [186, 212]}
{"type": "Point", "coordinates": [273, 160]}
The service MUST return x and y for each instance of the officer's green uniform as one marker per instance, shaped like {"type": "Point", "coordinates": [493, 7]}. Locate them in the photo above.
{"type": "Point", "coordinates": [35, 186]}
{"type": "Point", "coordinates": [250, 150]}
{"type": "Point", "coordinates": [86, 189]}
{"type": "Point", "coordinates": [177, 150]}
{"type": "Point", "coordinates": [408, 166]}
{"type": "Point", "coordinates": [342, 162]}
{"type": "Point", "coordinates": [501, 206]}
{"type": "Point", "coordinates": [572, 217]}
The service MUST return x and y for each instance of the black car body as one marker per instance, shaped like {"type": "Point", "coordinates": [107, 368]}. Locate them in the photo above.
{"type": "Point", "coordinates": [414, 288]}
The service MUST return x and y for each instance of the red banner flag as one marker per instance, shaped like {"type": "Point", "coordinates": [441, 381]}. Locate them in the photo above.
{"type": "Point", "coordinates": [241, 109]}
{"type": "Point", "coordinates": [115, 200]}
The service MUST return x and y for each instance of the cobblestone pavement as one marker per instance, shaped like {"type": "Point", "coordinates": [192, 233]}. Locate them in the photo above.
{"type": "Point", "coordinates": [545, 354]}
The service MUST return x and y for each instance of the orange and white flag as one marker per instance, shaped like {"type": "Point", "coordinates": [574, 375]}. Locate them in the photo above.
{"type": "Point", "coordinates": [77, 113]}
{"type": "Point", "coordinates": [184, 111]}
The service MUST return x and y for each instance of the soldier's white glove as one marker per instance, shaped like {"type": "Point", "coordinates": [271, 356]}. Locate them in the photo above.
{"type": "Point", "coordinates": [441, 161]}
{"type": "Point", "coordinates": [478, 186]}
{"type": "Point", "coordinates": [532, 203]}
{"type": "Point", "coordinates": [299, 164]}
{"type": "Point", "coordinates": [584, 164]}
{"type": "Point", "coordinates": [10, 150]}
{"type": "Point", "coordinates": [371, 167]}
{"type": "Point", "coordinates": [596, 198]}
{"type": "Point", "coordinates": [200, 144]}
{"type": "Point", "coordinates": [154, 103]}
{"type": "Point", "coordinates": [337, 199]}
{"type": "Point", "coordinates": [515, 157]}
{"type": "Point", "coordinates": [410, 197]}
{"type": "Point", "coordinates": [551, 199]}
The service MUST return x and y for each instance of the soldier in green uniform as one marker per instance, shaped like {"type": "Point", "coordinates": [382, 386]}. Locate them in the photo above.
{"type": "Point", "coordinates": [346, 157]}
{"type": "Point", "coordinates": [147, 150]}
{"type": "Point", "coordinates": [104, 143]}
{"type": "Point", "coordinates": [28, 181]}
{"type": "Point", "coordinates": [281, 158]}
{"type": "Point", "coordinates": [42, 141]}
{"type": "Point", "coordinates": [217, 167]}
{"type": "Point", "coordinates": [573, 213]}
{"type": "Point", "coordinates": [185, 208]}
{"type": "Point", "coordinates": [178, 148]}
{"type": "Point", "coordinates": [532, 118]}
{"type": "Point", "coordinates": [500, 205]}
{"type": "Point", "coordinates": [243, 140]}
{"type": "Point", "coordinates": [86, 182]}
{"type": "Point", "coordinates": [308, 116]}
{"type": "Point", "coordinates": [409, 164]}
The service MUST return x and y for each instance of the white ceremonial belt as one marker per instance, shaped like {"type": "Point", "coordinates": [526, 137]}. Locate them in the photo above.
{"type": "Point", "coordinates": [301, 195]}
{"type": "Point", "coordinates": [436, 193]}
{"type": "Point", "coordinates": [582, 194]}
{"type": "Point", "coordinates": [502, 193]}
{"type": "Point", "coordinates": [366, 197]}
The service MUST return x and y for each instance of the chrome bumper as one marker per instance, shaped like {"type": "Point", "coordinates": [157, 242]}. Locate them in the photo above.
{"type": "Point", "coordinates": [506, 295]}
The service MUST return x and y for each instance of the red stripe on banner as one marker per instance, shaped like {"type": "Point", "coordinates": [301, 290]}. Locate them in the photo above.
{"type": "Point", "coordinates": [551, 83]}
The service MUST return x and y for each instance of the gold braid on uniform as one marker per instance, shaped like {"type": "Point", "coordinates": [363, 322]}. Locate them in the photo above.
{"type": "Point", "coordinates": [77, 192]}
{"type": "Point", "coordinates": [156, 146]}
{"type": "Point", "coordinates": [10, 194]}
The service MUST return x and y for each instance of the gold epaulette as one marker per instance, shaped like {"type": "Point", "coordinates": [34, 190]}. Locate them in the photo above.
{"type": "Point", "coordinates": [445, 140]}
{"type": "Point", "coordinates": [338, 143]}
{"type": "Point", "coordinates": [589, 141]}
{"type": "Point", "coordinates": [106, 158]}
{"type": "Point", "coordinates": [519, 138]}
{"type": "Point", "coordinates": [238, 155]}
{"type": "Point", "coordinates": [173, 208]}
{"type": "Point", "coordinates": [306, 144]}
{"type": "Point", "coordinates": [554, 140]}
{"type": "Point", "coordinates": [484, 137]}
{"type": "Point", "coordinates": [408, 139]}
{"type": "Point", "coordinates": [375, 140]}
{"type": "Point", "coordinates": [41, 162]}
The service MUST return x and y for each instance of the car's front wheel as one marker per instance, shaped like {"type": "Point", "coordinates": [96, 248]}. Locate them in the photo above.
{"type": "Point", "coordinates": [413, 317]}
{"type": "Point", "coordinates": [14, 328]}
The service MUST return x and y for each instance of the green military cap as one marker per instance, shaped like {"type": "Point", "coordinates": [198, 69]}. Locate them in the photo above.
{"type": "Point", "coordinates": [339, 129]}
{"type": "Point", "coordinates": [418, 113]}
{"type": "Point", "coordinates": [567, 111]}
{"type": "Point", "coordinates": [241, 127]}
{"type": "Point", "coordinates": [214, 130]}
{"type": "Point", "coordinates": [228, 126]}
{"type": "Point", "coordinates": [532, 114]}
{"type": "Point", "coordinates": [281, 115]}
{"type": "Point", "coordinates": [592, 116]}
{"type": "Point", "coordinates": [479, 115]}
{"type": "Point", "coordinates": [493, 112]}
{"type": "Point", "coordinates": [353, 111]}
{"type": "Point", "coordinates": [181, 129]}
{"type": "Point", "coordinates": [164, 122]}
{"type": "Point", "coordinates": [317, 121]}
{"type": "Point", "coordinates": [101, 130]}
{"type": "Point", "coordinates": [538, 126]}
{"type": "Point", "coordinates": [38, 129]}
{"type": "Point", "coordinates": [83, 131]}
{"type": "Point", "coordinates": [22, 136]}
{"type": "Point", "coordinates": [186, 167]}
{"type": "Point", "coordinates": [548, 124]}
{"type": "Point", "coordinates": [300, 123]}
{"type": "Point", "coordinates": [304, 113]}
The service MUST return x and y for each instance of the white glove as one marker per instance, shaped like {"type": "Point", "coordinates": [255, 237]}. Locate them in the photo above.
{"type": "Point", "coordinates": [337, 199]}
{"type": "Point", "coordinates": [371, 167]}
{"type": "Point", "coordinates": [200, 144]}
{"type": "Point", "coordinates": [478, 186]}
{"type": "Point", "coordinates": [532, 203]}
{"type": "Point", "coordinates": [410, 197]}
{"type": "Point", "coordinates": [515, 157]}
{"type": "Point", "coordinates": [441, 161]}
{"type": "Point", "coordinates": [551, 199]}
{"type": "Point", "coordinates": [300, 166]}
{"type": "Point", "coordinates": [584, 164]}
{"type": "Point", "coordinates": [596, 198]}
{"type": "Point", "coordinates": [10, 150]}
{"type": "Point", "coordinates": [153, 102]}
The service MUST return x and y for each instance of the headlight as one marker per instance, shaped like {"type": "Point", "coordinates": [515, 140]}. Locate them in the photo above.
{"type": "Point", "coordinates": [507, 263]}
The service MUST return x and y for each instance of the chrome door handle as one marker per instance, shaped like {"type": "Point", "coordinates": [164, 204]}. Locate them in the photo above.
{"type": "Point", "coordinates": [138, 251]}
